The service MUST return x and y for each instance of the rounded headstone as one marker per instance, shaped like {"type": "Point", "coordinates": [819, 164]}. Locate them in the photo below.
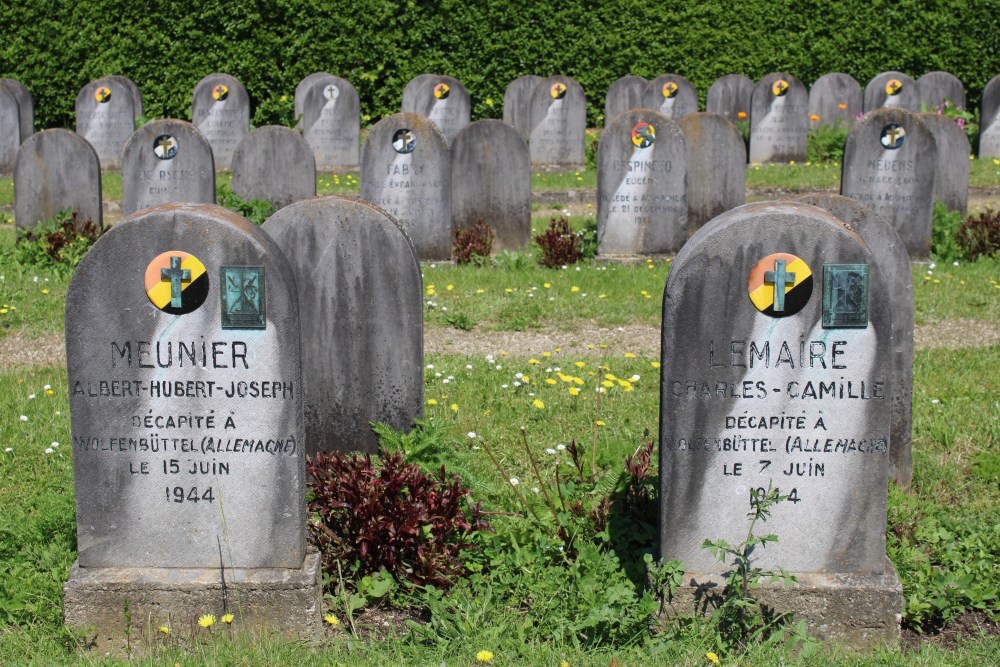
{"type": "Point", "coordinates": [274, 163]}
{"type": "Point", "coordinates": [25, 106]}
{"type": "Point", "coordinates": [105, 117]}
{"type": "Point", "coordinates": [989, 120]}
{"type": "Point", "coordinates": [221, 111]}
{"type": "Point", "coordinates": [716, 166]}
{"type": "Point", "coordinates": [302, 87]}
{"type": "Point", "coordinates": [893, 90]}
{"type": "Point", "coordinates": [938, 88]}
{"type": "Point", "coordinates": [10, 130]}
{"type": "Point", "coordinates": [166, 161]}
{"type": "Point", "coordinates": [779, 119]}
{"type": "Point", "coordinates": [56, 170]}
{"type": "Point", "coordinates": [517, 103]}
{"type": "Point", "coordinates": [558, 124]}
{"type": "Point", "coordinates": [951, 176]}
{"type": "Point", "coordinates": [442, 99]}
{"type": "Point", "coordinates": [835, 99]}
{"type": "Point", "coordinates": [730, 96]}
{"type": "Point", "coordinates": [672, 95]}
{"type": "Point", "coordinates": [330, 120]}
{"type": "Point", "coordinates": [133, 90]}
{"type": "Point", "coordinates": [624, 94]}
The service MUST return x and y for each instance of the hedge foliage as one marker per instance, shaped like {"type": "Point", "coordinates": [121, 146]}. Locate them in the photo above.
{"type": "Point", "coordinates": [55, 47]}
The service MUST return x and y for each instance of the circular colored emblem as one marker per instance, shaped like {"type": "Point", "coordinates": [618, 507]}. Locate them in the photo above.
{"type": "Point", "coordinates": [441, 91]}
{"type": "Point", "coordinates": [331, 92]}
{"type": "Point", "coordinates": [643, 135]}
{"type": "Point", "coordinates": [404, 141]}
{"type": "Point", "coordinates": [165, 147]}
{"type": "Point", "coordinates": [670, 89]}
{"type": "Point", "coordinates": [779, 87]}
{"type": "Point", "coordinates": [892, 136]}
{"type": "Point", "coordinates": [893, 87]}
{"type": "Point", "coordinates": [557, 91]}
{"type": "Point", "coordinates": [102, 94]}
{"type": "Point", "coordinates": [780, 285]}
{"type": "Point", "coordinates": [220, 92]}
{"type": "Point", "coordinates": [176, 282]}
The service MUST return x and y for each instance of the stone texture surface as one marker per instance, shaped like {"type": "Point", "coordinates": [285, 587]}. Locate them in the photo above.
{"type": "Point", "coordinates": [951, 176]}
{"type": "Point", "coordinates": [442, 99]}
{"type": "Point", "coordinates": [10, 130]}
{"type": "Point", "coordinates": [133, 90]}
{"type": "Point", "coordinates": [558, 124]}
{"type": "Point", "coordinates": [517, 103]}
{"type": "Point", "coordinates": [937, 87]}
{"type": "Point", "coordinates": [106, 124]}
{"type": "Point", "coordinates": [716, 166]}
{"type": "Point", "coordinates": [906, 96]}
{"type": "Point", "coordinates": [225, 121]}
{"type": "Point", "coordinates": [274, 163]}
{"type": "Point", "coordinates": [779, 124]}
{"type": "Point", "coordinates": [672, 95]}
{"type": "Point", "coordinates": [25, 106]}
{"type": "Point", "coordinates": [56, 170]}
{"type": "Point", "coordinates": [330, 120]}
{"type": "Point", "coordinates": [624, 94]}
{"type": "Point", "coordinates": [360, 299]}
{"type": "Point", "coordinates": [166, 161]}
{"type": "Point", "coordinates": [989, 120]}
{"type": "Point", "coordinates": [730, 96]}
{"type": "Point", "coordinates": [836, 98]}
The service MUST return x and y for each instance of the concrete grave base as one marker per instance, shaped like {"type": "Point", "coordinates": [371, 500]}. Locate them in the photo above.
{"type": "Point", "coordinates": [857, 610]}
{"type": "Point", "coordinates": [260, 599]}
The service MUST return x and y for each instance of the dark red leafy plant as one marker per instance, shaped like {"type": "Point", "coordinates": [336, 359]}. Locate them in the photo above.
{"type": "Point", "coordinates": [559, 244]}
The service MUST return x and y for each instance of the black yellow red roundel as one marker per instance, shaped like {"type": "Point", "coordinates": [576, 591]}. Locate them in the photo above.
{"type": "Point", "coordinates": [780, 284]}
{"type": "Point", "coordinates": [176, 282]}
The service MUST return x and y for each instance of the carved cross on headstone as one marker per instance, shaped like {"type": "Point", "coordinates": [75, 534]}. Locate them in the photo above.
{"type": "Point", "coordinates": [176, 275]}
{"type": "Point", "coordinates": [778, 278]}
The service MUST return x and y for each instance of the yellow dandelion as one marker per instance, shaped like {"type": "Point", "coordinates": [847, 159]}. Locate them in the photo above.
{"type": "Point", "coordinates": [534, 362]}
{"type": "Point", "coordinates": [489, 102]}
{"type": "Point", "coordinates": [546, 354]}
{"type": "Point", "coordinates": [484, 656]}
{"type": "Point", "coordinates": [454, 407]}
{"type": "Point", "coordinates": [508, 290]}
{"type": "Point", "coordinates": [450, 287]}
{"type": "Point", "coordinates": [714, 659]}
{"type": "Point", "coordinates": [573, 391]}
{"type": "Point", "coordinates": [525, 379]}
{"type": "Point", "coordinates": [654, 364]}
{"type": "Point", "coordinates": [45, 291]}
{"type": "Point", "coordinates": [538, 404]}
{"type": "Point", "coordinates": [600, 422]}
{"type": "Point", "coordinates": [574, 288]}
{"type": "Point", "coordinates": [51, 392]}
{"type": "Point", "coordinates": [480, 291]}
{"type": "Point", "coordinates": [548, 285]}
{"type": "Point", "coordinates": [629, 355]}
{"type": "Point", "coordinates": [580, 364]}
{"type": "Point", "coordinates": [165, 629]}
{"type": "Point", "coordinates": [564, 663]}
{"type": "Point", "coordinates": [602, 296]}
{"type": "Point", "coordinates": [577, 380]}
{"type": "Point", "coordinates": [331, 619]}
{"type": "Point", "coordinates": [608, 384]}
{"type": "Point", "coordinates": [206, 620]}
{"type": "Point", "coordinates": [432, 401]}
{"type": "Point", "coordinates": [228, 618]}
{"type": "Point", "coordinates": [550, 381]}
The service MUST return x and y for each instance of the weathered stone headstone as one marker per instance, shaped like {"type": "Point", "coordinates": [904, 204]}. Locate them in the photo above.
{"type": "Point", "coordinates": [25, 106]}
{"type": "Point", "coordinates": [730, 96]}
{"type": "Point", "coordinates": [166, 161]}
{"type": "Point", "coordinates": [624, 94]}
{"type": "Point", "coordinates": [779, 119]}
{"type": "Point", "coordinates": [300, 91]}
{"type": "Point", "coordinates": [491, 182]}
{"type": "Point", "coordinates": [893, 90]}
{"type": "Point", "coordinates": [951, 176]}
{"type": "Point", "coordinates": [56, 170]}
{"type": "Point", "coordinates": [835, 99]}
{"type": "Point", "coordinates": [937, 87]}
{"type": "Point", "coordinates": [330, 120]}
{"type": "Point", "coordinates": [133, 90]}
{"type": "Point", "coordinates": [672, 95]}
{"type": "Point", "coordinates": [641, 185]}
{"type": "Point", "coordinates": [274, 163]}
{"type": "Point", "coordinates": [716, 166]}
{"type": "Point", "coordinates": [221, 112]}
{"type": "Point", "coordinates": [777, 373]}
{"type": "Point", "coordinates": [889, 164]}
{"type": "Point", "coordinates": [361, 329]}
{"type": "Point", "coordinates": [517, 103]}
{"type": "Point", "coordinates": [105, 117]}
{"type": "Point", "coordinates": [442, 99]}
{"type": "Point", "coordinates": [185, 383]}
{"type": "Point", "coordinates": [406, 171]}
{"type": "Point", "coordinates": [989, 120]}
{"type": "Point", "coordinates": [558, 124]}
{"type": "Point", "coordinates": [10, 130]}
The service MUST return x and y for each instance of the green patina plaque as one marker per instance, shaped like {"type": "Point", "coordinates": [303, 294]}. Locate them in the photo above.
{"type": "Point", "coordinates": [845, 296]}
{"type": "Point", "coordinates": [243, 302]}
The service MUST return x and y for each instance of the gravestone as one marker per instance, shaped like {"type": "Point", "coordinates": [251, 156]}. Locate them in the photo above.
{"type": "Point", "coordinates": [894, 264]}
{"type": "Point", "coordinates": [624, 94]}
{"type": "Point", "coordinates": [889, 164]}
{"type": "Point", "coordinates": [442, 99]}
{"type": "Point", "coordinates": [672, 95]}
{"type": "Point", "coordinates": [835, 99]}
{"type": "Point", "coordinates": [105, 117]}
{"type": "Point", "coordinates": [406, 171]}
{"type": "Point", "coordinates": [185, 383]}
{"type": "Point", "coordinates": [641, 182]}
{"type": "Point", "coordinates": [517, 103]}
{"type": "Point", "coordinates": [25, 106]}
{"type": "Point", "coordinates": [166, 161]}
{"type": "Point", "coordinates": [989, 120]}
{"type": "Point", "coordinates": [56, 170]}
{"type": "Point", "coordinates": [361, 329]}
{"type": "Point", "coordinates": [716, 166]}
{"type": "Point", "coordinates": [491, 182]}
{"type": "Point", "coordinates": [730, 96]}
{"type": "Point", "coordinates": [10, 130]}
{"type": "Point", "coordinates": [558, 124]}
{"type": "Point", "coordinates": [330, 120]}
{"type": "Point", "coordinates": [777, 373]}
{"type": "Point", "coordinates": [779, 119]}
{"type": "Point", "coordinates": [937, 87]}
{"type": "Point", "coordinates": [951, 175]}
{"type": "Point", "coordinates": [894, 90]}
{"type": "Point", "coordinates": [274, 163]}
{"type": "Point", "coordinates": [300, 92]}
{"type": "Point", "coordinates": [221, 111]}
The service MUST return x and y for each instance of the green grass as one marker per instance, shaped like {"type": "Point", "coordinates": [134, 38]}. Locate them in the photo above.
{"type": "Point", "coordinates": [804, 177]}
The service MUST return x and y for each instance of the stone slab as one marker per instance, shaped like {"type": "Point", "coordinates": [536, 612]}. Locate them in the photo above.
{"type": "Point", "coordinates": [672, 95]}
{"type": "Point", "coordinates": [624, 94]}
{"type": "Point", "coordinates": [56, 170]}
{"type": "Point", "coordinates": [730, 96]}
{"type": "Point", "coordinates": [274, 163]}
{"type": "Point", "coordinates": [221, 111]}
{"type": "Point", "coordinates": [779, 119]}
{"type": "Point", "coordinates": [166, 161]}
{"type": "Point", "coordinates": [894, 90]}
{"type": "Point", "coordinates": [835, 99]}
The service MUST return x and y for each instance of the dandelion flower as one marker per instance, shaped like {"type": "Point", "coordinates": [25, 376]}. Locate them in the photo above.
{"type": "Point", "coordinates": [165, 629]}
{"type": "Point", "coordinates": [574, 288]}
{"type": "Point", "coordinates": [551, 381]}
{"type": "Point", "coordinates": [654, 364]}
{"type": "Point", "coordinates": [331, 619]}
{"type": "Point", "coordinates": [574, 391]}
{"type": "Point", "coordinates": [534, 361]}
{"type": "Point", "coordinates": [228, 618]}
{"type": "Point", "coordinates": [600, 422]}
{"type": "Point", "coordinates": [206, 620]}
{"type": "Point", "coordinates": [580, 364]}
{"type": "Point", "coordinates": [538, 404]}
{"type": "Point", "coordinates": [432, 401]}
{"type": "Point", "coordinates": [484, 656]}
{"type": "Point", "coordinates": [714, 659]}
{"type": "Point", "coordinates": [49, 392]}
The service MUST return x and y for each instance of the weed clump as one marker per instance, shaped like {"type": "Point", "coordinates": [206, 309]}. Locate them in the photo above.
{"type": "Point", "coordinates": [560, 246]}
{"type": "Point", "coordinates": [980, 235]}
{"type": "Point", "coordinates": [60, 242]}
{"type": "Point", "coordinates": [473, 245]}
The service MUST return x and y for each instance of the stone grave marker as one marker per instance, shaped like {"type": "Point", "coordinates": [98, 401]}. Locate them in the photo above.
{"type": "Point", "coordinates": [894, 90]}
{"type": "Point", "coordinates": [300, 92]}
{"type": "Point", "coordinates": [641, 183]}
{"type": "Point", "coordinates": [937, 87]}
{"type": "Point", "coordinates": [558, 124]}
{"type": "Point", "coordinates": [361, 309]}
{"type": "Point", "coordinates": [443, 99]}
{"type": "Point", "coordinates": [491, 182]}
{"type": "Point", "coordinates": [889, 164]}
{"type": "Point", "coordinates": [835, 98]}
{"type": "Point", "coordinates": [105, 117]}
{"type": "Point", "coordinates": [406, 171]}
{"type": "Point", "coordinates": [185, 383]}
{"type": "Point", "coordinates": [166, 161]}
{"type": "Point", "coordinates": [56, 170]}
{"type": "Point", "coordinates": [777, 373]}
{"type": "Point", "coordinates": [10, 130]}
{"type": "Point", "coordinates": [274, 163]}
{"type": "Point", "coordinates": [133, 90]}
{"type": "Point", "coordinates": [25, 106]}
{"type": "Point", "coordinates": [730, 96]}
{"type": "Point", "coordinates": [716, 166]}
{"type": "Point", "coordinates": [221, 112]}
{"type": "Point", "coordinates": [779, 119]}
{"type": "Point", "coordinates": [951, 175]}
{"type": "Point", "coordinates": [330, 120]}
{"type": "Point", "coordinates": [989, 120]}
{"type": "Point", "coordinates": [624, 94]}
{"type": "Point", "coordinates": [517, 103]}
{"type": "Point", "coordinates": [672, 95]}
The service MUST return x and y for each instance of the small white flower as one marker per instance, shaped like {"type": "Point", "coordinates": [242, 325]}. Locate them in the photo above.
{"type": "Point", "coordinates": [444, 308]}
{"type": "Point", "coordinates": [557, 369]}
{"type": "Point", "coordinates": [552, 298]}
{"type": "Point", "coordinates": [23, 418]}
{"type": "Point", "coordinates": [471, 434]}
{"type": "Point", "coordinates": [437, 375]}
{"type": "Point", "coordinates": [548, 370]}
{"type": "Point", "coordinates": [35, 279]}
{"type": "Point", "coordinates": [535, 489]}
{"type": "Point", "coordinates": [531, 393]}
{"type": "Point", "coordinates": [561, 447]}
{"type": "Point", "coordinates": [47, 387]}
{"type": "Point", "coordinates": [519, 375]}
{"type": "Point", "coordinates": [564, 267]}
{"type": "Point", "coordinates": [451, 377]}
{"type": "Point", "coordinates": [935, 401]}
{"type": "Point", "coordinates": [955, 263]}
{"type": "Point", "coordinates": [475, 448]}
{"type": "Point", "coordinates": [600, 390]}
{"type": "Point", "coordinates": [430, 367]}
{"type": "Point", "coordinates": [578, 268]}
{"type": "Point", "coordinates": [54, 444]}
{"type": "Point", "coordinates": [49, 450]}
{"type": "Point", "coordinates": [516, 383]}
{"type": "Point", "coordinates": [932, 265]}
{"type": "Point", "coordinates": [433, 266]}
{"type": "Point", "coordinates": [514, 481]}
{"type": "Point", "coordinates": [550, 451]}
{"type": "Point", "coordinates": [634, 378]}
{"type": "Point", "coordinates": [445, 381]}
{"type": "Point", "coordinates": [504, 386]}
{"type": "Point", "coordinates": [9, 449]}
{"type": "Point", "coordinates": [530, 295]}
{"type": "Point", "coordinates": [468, 367]}
{"type": "Point", "coordinates": [30, 396]}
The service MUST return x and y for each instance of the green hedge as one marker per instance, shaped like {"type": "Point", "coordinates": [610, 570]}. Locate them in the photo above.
{"type": "Point", "coordinates": [55, 47]}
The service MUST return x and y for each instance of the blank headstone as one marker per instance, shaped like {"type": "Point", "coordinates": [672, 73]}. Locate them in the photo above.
{"type": "Point", "coordinates": [624, 94]}
{"type": "Point", "coordinates": [989, 120]}
{"type": "Point", "coordinates": [491, 182]}
{"type": "Point", "coordinates": [359, 290]}
{"type": "Point", "coordinates": [558, 124]}
{"type": "Point", "coordinates": [951, 177]}
{"type": "Point", "coordinates": [330, 121]}
{"type": "Point", "coordinates": [274, 163]}
{"type": "Point", "coordinates": [517, 103]}
{"type": "Point", "coordinates": [166, 161]}
{"type": "Point", "coordinates": [672, 95]}
{"type": "Point", "coordinates": [10, 130]}
{"type": "Point", "coordinates": [730, 96]}
{"type": "Point", "coordinates": [894, 90]}
{"type": "Point", "coordinates": [56, 170]}
{"type": "Point", "coordinates": [406, 171]}
{"type": "Point", "coordinates": [938, 87]}
{"type": "Point", "coordinates": [105, 117]}
{"type": "Point", "coordinates": [834, 99]}
{"type": "Point", "coordinates": [716, 166]}
{"type": "Point", "coordinates": [443, 99]}
{"type": "Point", "coordinates": [641, 181]}
{"type": "Point", "coordinates": [221, 112]}
{"type": "Point", "coordinates": [889, 164]}
{"type": "Point", "coordinates": [25, 105]}
{"type": "Point", "coordinates": [779, 119]}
